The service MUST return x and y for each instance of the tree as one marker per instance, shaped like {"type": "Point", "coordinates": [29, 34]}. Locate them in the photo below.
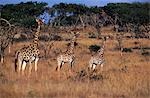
{"type": "Point", "coordinates": [23, 14]}
{"type": "Point", "coordinates": [68, 14]}
{"type": "Point", "coordinates": [136, 13]}
{"type": "Point", "coordinates": [5, 36]}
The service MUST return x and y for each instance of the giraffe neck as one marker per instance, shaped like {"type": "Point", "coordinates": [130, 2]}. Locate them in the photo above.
{"type": "Point", "coordinates": [71, 49]}
{"type": "Point", "coordinates": [36, 38]}
{"type": "Point", "coordinates": [101, 50]}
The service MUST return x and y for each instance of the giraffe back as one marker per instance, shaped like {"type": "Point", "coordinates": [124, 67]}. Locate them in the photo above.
{"type": "Point", "coordinates": [28, 53]}
{"type": "Point", "coordinates": [31, 52]}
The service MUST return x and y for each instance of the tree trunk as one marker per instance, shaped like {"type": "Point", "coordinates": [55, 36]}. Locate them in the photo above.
{"type": "Point", "coordinates": [9, 48]}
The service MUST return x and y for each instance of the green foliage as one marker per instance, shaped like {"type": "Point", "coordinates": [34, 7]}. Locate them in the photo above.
{"type": "Point", "coordinates": [71, 8]}
{"type": "Point", "coordinates": [145, 53]}
{"type": "Point", "coordinates": [127, 50]}
{"type": "Point", "coordinates": [94, 48]}
{"type": "Point", "coordinates": [67, 14]}
{"type": "Point", "coordinates": [91, 35]}
{"type": "Point", "coordinates": [136, 13]}
{"type": "Point", "coordinates": [75, 9]}
{"type": "Point", "coordinates": [23, 13]}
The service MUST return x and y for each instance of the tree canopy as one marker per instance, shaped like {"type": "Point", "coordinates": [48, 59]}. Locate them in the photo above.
{"type": "Point", "coordinates": [23, 13]}
{"type": "Point", "coordinates": [136, 13]}
{"type": "Point", "coordinates": [67, 14]}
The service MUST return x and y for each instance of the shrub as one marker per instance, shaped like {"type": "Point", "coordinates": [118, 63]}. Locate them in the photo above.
{"type": "Point", "coordinates": [21, 38]}
{"type": "Point", "coordinates": [94, 48]}
{"type": "Point", "coordinates": [44, 37]}
{"type": "Point", "coordinates": [141, 48]}
{"type": "Point", "coordinates": [91, 35]}
{"type": "Point", "coordinates": [145, 53]}
{"type": "Point", "coordinates": [136, 43]}
{"type": "Point", "coordinates": [75, 44]}
{"type": "Point", "coordinates": [127, 50]}
{"type": "Point", "coordinates": [55, 37]}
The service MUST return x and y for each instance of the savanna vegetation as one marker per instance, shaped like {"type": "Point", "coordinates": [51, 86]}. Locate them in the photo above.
{"type": "Point", "coordinates": [127, 51]}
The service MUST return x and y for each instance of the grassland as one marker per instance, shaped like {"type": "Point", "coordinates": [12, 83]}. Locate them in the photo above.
{"type": "Point", "coordinates": [122, 77]}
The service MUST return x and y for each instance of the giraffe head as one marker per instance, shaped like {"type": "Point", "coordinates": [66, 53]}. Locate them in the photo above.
{"type": "Point", "coordinates": [39, 21]}
{"type": "Point", "coordinates": [76, 34]}
{"type": "Point", "coordinates": [105, 38]}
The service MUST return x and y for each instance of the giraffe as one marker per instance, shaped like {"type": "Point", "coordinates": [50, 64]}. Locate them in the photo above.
{"type": "Point", "coordinates": [68, 56]}
{"type": "Point", "coordinates": [98, 59]}
{"type": "Point", "coordinates": [29, 53]}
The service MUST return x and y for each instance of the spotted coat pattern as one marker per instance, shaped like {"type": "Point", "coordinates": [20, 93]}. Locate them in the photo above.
{"type": "Point", "coordinates": [69, 56]}
{"type": "Point", "coordinates": [98, 59]}
{"type": "Point", "coordinates": [29, 54]}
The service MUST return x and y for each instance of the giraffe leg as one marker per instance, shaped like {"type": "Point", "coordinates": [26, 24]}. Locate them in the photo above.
{"type": "Point", "coordinates": [23, 67]}
{"type": "Point", "coordinates": [70, 69]}
{"type": "Point", "coordinates": [72, 63]}
{"type": "Point", "coordinates": [36, 61]}
{"type": "Point", "coordinates": [19, 65]}
{"type": "Point", "coordinates": [59, 65]}
{"type": "Point", "coordinates": [9, 48]}
{"type": "Point", "coordinates": [102, 66]}
{"type": "Point", "coordinates": [30, 68]}
{"type": "Point", "coordinates": [2, 60]}
{"type": "Point", "coordinates": [56, 68]}
{"type": "Point", "coordinates": [94, 66]}
{"type": "Point", "coordinates": [91, 65]}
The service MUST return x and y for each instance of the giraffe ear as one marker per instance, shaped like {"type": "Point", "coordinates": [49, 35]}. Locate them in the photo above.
{"type": "Point", "coordinates": [36, 20]}
{"type": "Point", "coordinates": [39, 21]}
{"type": "Point", "coordinates": [72, 32]}
{"type": "Point", "coordinates": [77, 32]}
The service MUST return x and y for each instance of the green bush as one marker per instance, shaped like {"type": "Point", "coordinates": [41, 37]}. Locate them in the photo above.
{"type": "Point", "coordinates": [94, 48]}
{"type": "Point", "coordinates": [127, 50]}
{"type": "Point", "coordinates": [91, 35]}
{"type": "Point", "coordinates": [146, 53]}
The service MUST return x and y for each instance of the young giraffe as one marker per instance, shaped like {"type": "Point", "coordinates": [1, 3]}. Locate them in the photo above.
{"type": "Point", "coordinates": [30, 53]}
{"type": "Point", "coordinates": [69, 56]}
{"type": "Point", "coordinates": [98, 59]}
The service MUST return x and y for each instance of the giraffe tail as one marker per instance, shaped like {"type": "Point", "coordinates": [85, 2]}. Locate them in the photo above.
{"type": "Point", "coordinates": [16, 59]}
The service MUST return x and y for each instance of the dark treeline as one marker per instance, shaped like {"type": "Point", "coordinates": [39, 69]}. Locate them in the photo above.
{"type": "Point", "coordinates": [136, 13]}
{"type": "Point", "coordinates": [67, 14]}
{"type": "Point", "coordinates": [22, 14]}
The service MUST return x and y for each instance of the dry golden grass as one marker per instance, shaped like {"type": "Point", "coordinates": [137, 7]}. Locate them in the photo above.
{"type": "Point", "coordinates": [122, 77]}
